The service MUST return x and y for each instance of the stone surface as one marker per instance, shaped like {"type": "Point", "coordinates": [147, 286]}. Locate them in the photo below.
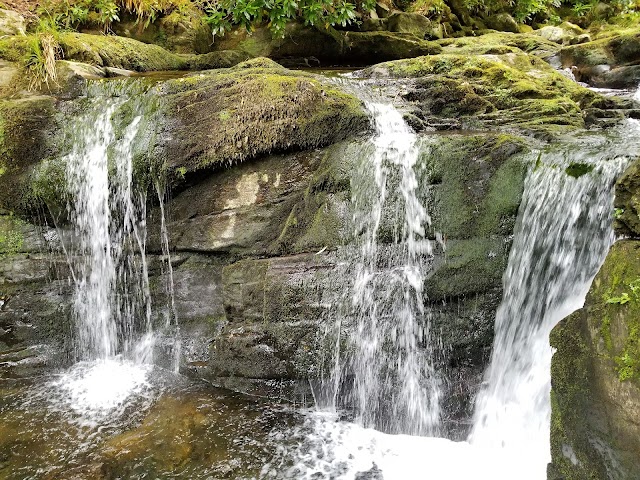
{"type": "Point", "coordinates": [606, 62]}
{"type": "Point", "coordinates": [627, 202]}
{"type": "Point", "coordinates": [11, 23]}
{"type": "Point", "coordinates": [595, 375]}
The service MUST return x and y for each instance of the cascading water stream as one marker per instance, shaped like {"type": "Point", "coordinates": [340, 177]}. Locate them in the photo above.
{"type": "Point", "coordinates": [395, 385]}
{"type": "Point", "coordinates": [106, 251]}
{"type": "Point", "coordinates": [563, 235]}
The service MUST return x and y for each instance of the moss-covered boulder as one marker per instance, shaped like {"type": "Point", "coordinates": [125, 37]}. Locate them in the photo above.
{"type": "Point", "coordinates": [627, 202]}
{"type": "Point", "coordinates": [507, 89]}
{"type": "Point", "coordinates": [607, 62]}
{"type": "Point", "coordinates": [257, 107]}
{"type": "Point", "coordinates": [118, 52]}
{"type": "Point", "coordinates": [595, 377]}
{"type": "Point", "coordinates": [497, 43]}
{"type": "Point", "coordinates": [26, 127]}
{"type": "Point", "coordinates": [99, 50]}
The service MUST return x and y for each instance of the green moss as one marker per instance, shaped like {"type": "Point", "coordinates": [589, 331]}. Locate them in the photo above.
{"type": "Point", "coordinates": [24, 127]}
{"type": "Point", "coordinates": [11, 236]}
{"type": "Point", "coordinates": [478, 183]}
{"type": "Point", "coordinates": [255, 108]}
{"type": "Point", "coordinates": [118, 52]}
{"type": "Point", "coordinates": [577, 170]}
{"type": "Point", "coordinates": [496, 89]}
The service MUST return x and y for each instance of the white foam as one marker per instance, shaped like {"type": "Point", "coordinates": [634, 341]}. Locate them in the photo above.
{"type": "Point", "coordinates": [636, 97]}
{"type": "Point", "coordinates": [101, 389]}
{"type": "Point", "coordinates": [334, 449]}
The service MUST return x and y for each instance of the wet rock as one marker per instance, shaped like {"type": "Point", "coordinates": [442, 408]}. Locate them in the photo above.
{"type": "Point", "coordinates": [503, 22]}
{"type": "Point", "coordinates": [595, 377]}
{"type": "Point", "coordinates": [25, 140]}
{"type": "Point", "coordinates": [627, 202]}
{"type": "Point", "coordinates": [502, 88]}
{"type": "Point", "coordinates": [606, 62]}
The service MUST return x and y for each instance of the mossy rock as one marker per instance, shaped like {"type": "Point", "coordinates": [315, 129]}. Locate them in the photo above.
{"type": "Point", "coordinates": [477, 183]}
{"type": "Point", "coordinates": [606, 62]}
{"type": "Point", "coordinates": [510, 89]}
{"type": "Point", "coordinates": [25, 131]}
{"type": "Point", "coordinates": [500, 43]}
{"type": "Point", "coordinates": [627, 201]}
{"type": "Point", "coordinates": [118, 52]}
{"type": "Point", "coordinates": [254, 108]}
{"type": "Point", "coordinates": [595, 376]}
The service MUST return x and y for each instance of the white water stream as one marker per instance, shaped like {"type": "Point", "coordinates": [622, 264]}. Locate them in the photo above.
{"type": "Point", "coordinates": [562, 236]}
{"type": "Point", "coordinates": [116, 341]}
{"type": "Point", "coordinates": [395, 387]}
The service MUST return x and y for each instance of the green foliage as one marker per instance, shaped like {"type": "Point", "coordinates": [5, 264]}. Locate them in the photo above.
{"type": "Point", "coordinates": [225, 14]}
{"type": "Point", "coordinates": [42, 52]}
{"type": "Point", "coordinates": [527, 10]}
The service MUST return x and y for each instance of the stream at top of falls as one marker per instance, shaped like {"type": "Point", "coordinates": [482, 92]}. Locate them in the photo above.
{"type": "Point", "coordinates": [122, 410]}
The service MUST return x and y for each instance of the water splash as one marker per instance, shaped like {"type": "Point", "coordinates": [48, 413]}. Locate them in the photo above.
{"type": "Point", "coordinates": [106, 250]}
{"type": "Point", "coordinates": [562, 237]}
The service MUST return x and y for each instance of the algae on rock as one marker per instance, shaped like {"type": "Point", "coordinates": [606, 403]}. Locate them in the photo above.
{"type": "Point", "coordinates": [595, 377]}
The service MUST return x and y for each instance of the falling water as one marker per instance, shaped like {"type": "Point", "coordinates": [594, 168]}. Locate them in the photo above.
{"type": "Point", "coordinates": [111, 282]}
{"type": "Point", "coordinates": [563, 235]}
{"type": "Point", "coordinates": [106, 250]}
{"type": "Point", "coordinates": [395, 388]}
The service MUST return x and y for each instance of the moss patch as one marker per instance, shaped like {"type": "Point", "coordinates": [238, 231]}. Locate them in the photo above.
{"type": "Point", "coordinates": [577, 170]}
{"type": "Point", "coordinates": [254, 108]}
{"type": "Point", "coordinates": [24, 128]}
{"type": "Point", "coordinates": [496, 89]}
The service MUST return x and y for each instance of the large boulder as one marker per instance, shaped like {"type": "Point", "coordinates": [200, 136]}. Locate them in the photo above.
{"type": "Point", "coordinates": [606, 62]}
{"type": "Point", "coordinates": [254, 108]}
{"type": "Point", "coordinates": [595, 377]}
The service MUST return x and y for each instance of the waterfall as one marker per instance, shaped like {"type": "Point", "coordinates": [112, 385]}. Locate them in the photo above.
{"type": "Point", "coordinates": [389, 357]}
{"type": "Point", "coordinates": [115, 339]}
{"type": "Point", "coordinates": [562, 237]}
